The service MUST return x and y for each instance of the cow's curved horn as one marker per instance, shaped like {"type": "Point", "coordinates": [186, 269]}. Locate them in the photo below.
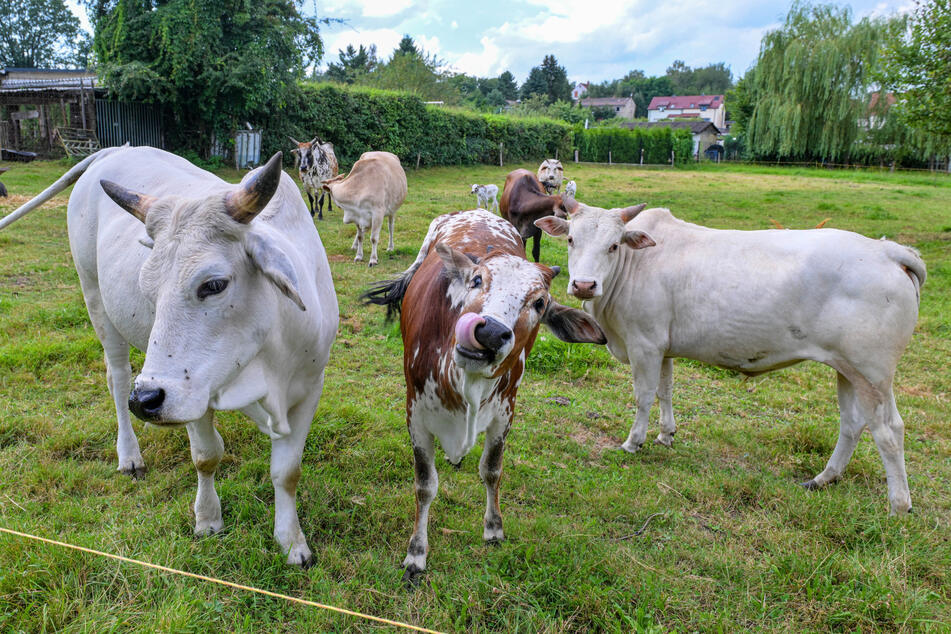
{"type": "Point", "coordinates": [629, 212]}
{"type": "Point", "coordinates": [293, 140]}
{"type": "Point", "coordinates": [255, 191]}
{"type": "Point", "coordinates": [135, 203]}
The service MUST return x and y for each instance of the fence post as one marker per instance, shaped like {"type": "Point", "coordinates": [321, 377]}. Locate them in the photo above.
{"type": "Point", "coordinates": [642, 156]}
{"type": "Point", "coordinates": [500, 154]}
{"type": "Point", "coordinates": [418, 157]}
{"type": "Point", "coordinates": [671, 158]}
{"type": "Point", "coordinates": [609, 157]}
{"type": "Point", "coordinates": [556, 154]}
{"type": "Point", "coordinates": [576, 156]}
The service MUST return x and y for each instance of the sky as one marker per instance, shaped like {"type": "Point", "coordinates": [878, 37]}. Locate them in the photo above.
{"type": "Point", "coordinates": [595, 40]}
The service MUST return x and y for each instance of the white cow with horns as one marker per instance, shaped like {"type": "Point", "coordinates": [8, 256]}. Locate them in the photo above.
{"type": "Point", "coordinates": [228, 290]}
{"type": "Point", "coordinates": [751, 301]}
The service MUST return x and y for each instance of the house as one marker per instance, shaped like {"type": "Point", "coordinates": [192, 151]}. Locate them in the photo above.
{"type": "Point", "coordinates": [708, 107]}
{"type": "Point", "coordinates": [877, 110]}
{"type": "Point", "coordinates": [579, 91]}
{"type": "Point", "coordinates": [704, 133]}
{"type": "Point", "coordinates": [623, 106]}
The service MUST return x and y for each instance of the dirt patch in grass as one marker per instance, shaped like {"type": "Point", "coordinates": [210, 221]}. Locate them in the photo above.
{"type": "Point", "coordinates": [15, 201]}
{"type": "Point", "coordinates": [594, 440]}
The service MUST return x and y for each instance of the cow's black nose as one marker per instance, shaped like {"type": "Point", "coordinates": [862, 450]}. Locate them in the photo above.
{"type": "Point", "coordinates": [493, 334]}
{"type": "Point", "coordinates": [146, 404]}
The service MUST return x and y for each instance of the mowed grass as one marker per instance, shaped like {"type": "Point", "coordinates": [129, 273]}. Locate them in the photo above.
{"type": "Point", "coordinates": [732, 543]}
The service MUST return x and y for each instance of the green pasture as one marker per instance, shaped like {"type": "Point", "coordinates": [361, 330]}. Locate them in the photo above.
{"type": "Point", "coordinates": [733, 543]}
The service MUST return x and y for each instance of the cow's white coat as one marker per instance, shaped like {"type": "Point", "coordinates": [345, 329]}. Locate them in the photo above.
{"type": "Point", "coordinates": [752, 301]}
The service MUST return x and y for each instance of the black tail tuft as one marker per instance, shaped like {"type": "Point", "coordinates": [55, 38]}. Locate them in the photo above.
{"type": "Point", "coordinates": [388, 293]}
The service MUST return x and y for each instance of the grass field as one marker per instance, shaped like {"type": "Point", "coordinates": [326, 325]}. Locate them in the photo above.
{"type": "Point", "coordinates": [734, 542]}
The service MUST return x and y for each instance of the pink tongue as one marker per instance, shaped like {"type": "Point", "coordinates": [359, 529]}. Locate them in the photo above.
{"type": "Point", "coordinates": [465, 331]}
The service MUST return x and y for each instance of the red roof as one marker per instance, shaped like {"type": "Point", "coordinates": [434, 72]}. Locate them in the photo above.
{"type": "Point", "coordinates": [688, 101]}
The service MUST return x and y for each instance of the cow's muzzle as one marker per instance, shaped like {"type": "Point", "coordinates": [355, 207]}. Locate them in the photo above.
{"type": "Point", "coordinates": [583, 289]}
{"type": "Point", "coordinates": [146, 404]}
{"type": "Point", "coordinates": [480, 337]}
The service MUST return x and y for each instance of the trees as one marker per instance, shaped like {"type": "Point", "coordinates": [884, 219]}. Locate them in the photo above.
{"type": "Point", "coordinates": [38, 34]}
{"type": "Point", "coordinates": [507, 86]}
{"type": "Point", "coordinates": [549, 80]}
{"type": "Point", "coordinates": [353, 65]}
{"type": "Point", "coordinates": [713, 79]}
{"type": "Point", "coordinates": [917, 65]}
{"type": "Point", "coordinates": [809, 85]}
{"type": "Point", "coordinates": [214, 64]}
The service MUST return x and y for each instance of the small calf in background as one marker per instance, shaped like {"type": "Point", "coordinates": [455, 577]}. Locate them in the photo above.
{"type": "Point", "coordinates": [571, 188]}
{"type": "Point", "coordinates": [486, 195]}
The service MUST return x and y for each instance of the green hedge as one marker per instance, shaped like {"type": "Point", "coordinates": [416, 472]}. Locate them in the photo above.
{"type": "Point", "coordinates": [357, 120]}
{"type": "Point", "coordinates": [625, 145]}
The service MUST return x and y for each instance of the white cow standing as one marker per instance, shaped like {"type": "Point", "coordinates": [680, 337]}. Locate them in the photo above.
{"type": "Point", "coordinates": [752, 301]}
{"type": "Point", "coordinates": [486, 196]}
{"type": "Point", "coordinates": [228, 290]}
{"type": "Point", "coordinates": [374, 189]}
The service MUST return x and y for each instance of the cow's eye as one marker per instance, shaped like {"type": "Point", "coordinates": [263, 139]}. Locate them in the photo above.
{"type": "Point", "coordinates": [613, 248]}
{"type": "Point", "coordinates": [571, 241]}
{"type": "Point", "coordinates": [212, 287]}
{"type": "Point", "coordinates": [539, 304]}
{"type": "Point", "coordinates": [476, 282]}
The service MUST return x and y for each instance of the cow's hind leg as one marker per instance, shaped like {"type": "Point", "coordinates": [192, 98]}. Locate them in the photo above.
{"type": "Point", "coordinates": [286, 454]}
{"type": "Point", "coordinates": [118, 379]}
{"type": "Point", "coordinates": [358, 244]}
{"type": "Point", "coordinates": [320, 205]}
{"type": "Point", "coordinates": [647, 370]}
{"type": "Point", "coordinates": [376, 224]}
{"type": "Point", "coordinates": [490, 470]}
{"type": "Point", "coordinates": [391, 219]}
{"type": "Point", "coordinates": [427, 484]}
{"type": "Point", "coordinates": [888, 431]}
{"type": "Point", "coordinates": [851, 425]}
{"type": "Point", "coordinates": [668, 426]}
{"type": "Point", "coordinates": [310, 197]}
{"type": "Point", "coordinates": [207, 449]}
{"type": "Point", "coordinates": [537, 246]}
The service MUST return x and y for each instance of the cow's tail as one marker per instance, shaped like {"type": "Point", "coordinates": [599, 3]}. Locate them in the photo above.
{"type": "Point", "coordinates": [390, 293]}
{"type": "Point", "coordinates": [910, 261]}
{"type": "Point", "coordinates": [62, 183]}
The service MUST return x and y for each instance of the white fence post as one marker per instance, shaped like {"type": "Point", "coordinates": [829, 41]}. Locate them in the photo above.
{"type": "Point", "coordinates": [642, 156]}
{"type": "Point", "coordinates": [500, 154]}
{"type": "Point", "coordinates": [609, 157]}
{"type": "Point", "coordinates": [576, 156]}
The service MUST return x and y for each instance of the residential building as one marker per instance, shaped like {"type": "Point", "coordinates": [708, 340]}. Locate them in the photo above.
{"type": "Point", "coordinates": [708, 107]}
{"type": "Point", "coordinates": [579, 91]}
{"type": "Point", "coordinates": [623, 106]}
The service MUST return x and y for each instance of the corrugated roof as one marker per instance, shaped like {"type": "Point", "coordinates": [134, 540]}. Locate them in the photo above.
{"type": "Point", "coordinates": [695, 127]}
{"type": "Point", "coordinates": [605, 101]}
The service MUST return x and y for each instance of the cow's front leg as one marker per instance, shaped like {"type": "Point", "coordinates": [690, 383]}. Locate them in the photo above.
{"type": "Point", "coordinates": [207, 448]}
{"type": "Point", "coordinates": [646, 369]}
{"type": "Point", "coordinates": [286, 453]}
{"type": "Point", "coordinates": [310, 197]}
{"type": "Point", "coordinates": [490, 470]}
{"type": "Point", "coordinates": [320, 206]}
{"type": "Point", "coordinates": [358, 244]}
{"type": "Point", "coordinates": [668, 427]}
{"type": "Point", "coordinates": [427, 483]}
{"type": "Point", "coordinates": [376, 224]}
{"type": "Point", "coordinates": [537, 246]}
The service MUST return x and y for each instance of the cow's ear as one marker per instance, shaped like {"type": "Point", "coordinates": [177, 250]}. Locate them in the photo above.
{"type": "Point", "coordinates": [573, 325]}
{"type": "Point", "coordinates": [552, 226]}
{"type": "Point", "coordinates": [135, 203]}
{"type": "Point", "coordinates": [275, 265]}
{"type": "Point", "coordinates": [637, 239]}
{"type": "Point", "coordinates": [456, 262]}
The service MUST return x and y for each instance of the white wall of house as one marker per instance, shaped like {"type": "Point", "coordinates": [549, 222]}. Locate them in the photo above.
{"type": "Point", "coordinates": [716, 116]}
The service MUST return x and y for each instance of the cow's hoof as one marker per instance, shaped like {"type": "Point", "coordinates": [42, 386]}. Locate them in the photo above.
{"type": "Point", "coordinates": [134, 469]}
{"type": "Point", "coordinates": [810, 485]}
{"type": "Point", "coordinates": [666, 441]}
{"type": "Point", "coordinates": [412, 575]}
{"type": "Point", "coordinates": [358, 258]}
{"type": "Point", "coordinates": [300, 555]}
{"type": "Point", "coordinates": [206, 529]}
{"type": "Point", "coordinates": [631, 447]}
{"type": "Point", "coordinates": [495, 540]}
{"type": "Point", "coordinates": [372, 263]}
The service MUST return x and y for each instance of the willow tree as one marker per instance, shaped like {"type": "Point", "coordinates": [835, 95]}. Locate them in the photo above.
{"type": "Point", "coordinates": [810, 83]}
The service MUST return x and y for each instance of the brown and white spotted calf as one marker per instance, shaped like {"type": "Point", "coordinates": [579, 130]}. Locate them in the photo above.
{"type": "Point", "coordinates": [471, 307]}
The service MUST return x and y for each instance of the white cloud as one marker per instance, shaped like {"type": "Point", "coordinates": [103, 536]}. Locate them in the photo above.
{"type": "Point", "coordinates": [365, 8]}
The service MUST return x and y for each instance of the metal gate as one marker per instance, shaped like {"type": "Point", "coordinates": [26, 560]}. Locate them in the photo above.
{"type": "Point", "coordinates": [134, 123]}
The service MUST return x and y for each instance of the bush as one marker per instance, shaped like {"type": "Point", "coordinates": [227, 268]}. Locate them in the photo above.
{"type": "Point", "coordinates": [625, 144]}
{"type": "Point", "coordinates": [358, 120]}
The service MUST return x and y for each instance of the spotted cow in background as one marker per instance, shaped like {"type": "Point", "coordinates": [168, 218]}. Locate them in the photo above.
{"type": "Point", "coordinates": [316, 163]}
{"type": "Point", "coordinates": [550, 175]}
{"type": "Point", "coordinates": [471, 307]}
